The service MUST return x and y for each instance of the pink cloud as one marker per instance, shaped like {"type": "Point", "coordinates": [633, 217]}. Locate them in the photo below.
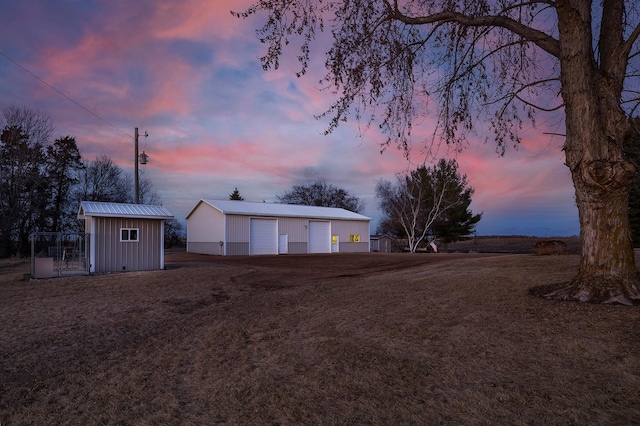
{"type": "Point", "coordinates": [216, 121]}
{"type": "Point", "coordinates": [193, 19]}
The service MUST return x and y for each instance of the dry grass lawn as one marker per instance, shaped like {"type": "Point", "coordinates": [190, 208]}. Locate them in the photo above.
{"type": "Point", "coordinates": [339, 339]}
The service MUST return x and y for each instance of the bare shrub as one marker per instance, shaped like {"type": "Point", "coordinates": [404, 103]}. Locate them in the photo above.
{"type": "Point", "coordinates": [550, 247]}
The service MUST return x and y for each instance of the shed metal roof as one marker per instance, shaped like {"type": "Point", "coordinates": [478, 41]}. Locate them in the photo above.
{"type": "Point", "coordinates": [103, 209]}
{"type": "Point", "coordinates": [279, 210]}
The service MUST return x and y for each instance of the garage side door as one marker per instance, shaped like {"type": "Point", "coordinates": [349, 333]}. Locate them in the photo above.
{"type": "Point", "coordinates": [319, 237]}
{"type": "Point", "coordinates": [263, 238]}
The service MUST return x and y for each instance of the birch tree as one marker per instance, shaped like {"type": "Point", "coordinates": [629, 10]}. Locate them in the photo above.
{"type": "Point", "coordinates": [500, 63]}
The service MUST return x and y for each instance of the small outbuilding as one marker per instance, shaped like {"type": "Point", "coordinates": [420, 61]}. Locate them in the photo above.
{"type": "Point", "coordinates": [226, 227]}
{"type": "Point", "coordinates": [380, 243]}
{"type": "Point", "coordinates": [124, 237]}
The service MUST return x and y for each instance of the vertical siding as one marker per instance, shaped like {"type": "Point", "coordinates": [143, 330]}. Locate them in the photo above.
{"type": "Point", "coordinates": [237, 235]}
{"type": "Point", "coordinates": [238, 228]}
{"type": "Point", "coordinates": [297, 234]}
{"type": "Point", "coordinates": [295, 228]}
{"type": "Point", "coordinates": [111, 255]}
{"type": "Point", "coordinates": [346, 228]}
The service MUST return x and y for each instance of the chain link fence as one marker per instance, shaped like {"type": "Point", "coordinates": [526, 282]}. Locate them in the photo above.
{"type": "Point", "coordinates": [57, 254]}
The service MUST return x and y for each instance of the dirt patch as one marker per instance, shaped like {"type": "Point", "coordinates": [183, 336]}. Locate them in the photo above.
{"type": "Point", "coordinates": [339, 339]}
{"type": "Point", "coordinates": [294, 269]}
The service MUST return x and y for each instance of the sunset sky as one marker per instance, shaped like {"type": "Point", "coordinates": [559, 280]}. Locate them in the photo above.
{"type": "Point", "coordinates": [188, 73]}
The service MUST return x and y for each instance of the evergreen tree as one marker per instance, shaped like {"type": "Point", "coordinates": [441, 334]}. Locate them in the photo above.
{"type": "Point", "coordinates": [235, 195]}
{"type": "Point", "coordinates": [64, 164]}
{"type": "Point", "coordinates": [23, 190]}
{"type": "Point", "coordinates": [458, 222]}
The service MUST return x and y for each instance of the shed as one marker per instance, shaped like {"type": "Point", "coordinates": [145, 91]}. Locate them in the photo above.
{"type": "Point", "coordinates": [381, 243]}
{"type": "Point", "coordinates": [124, 237]}
{"type": "Point", "coordinates": [226, 227]}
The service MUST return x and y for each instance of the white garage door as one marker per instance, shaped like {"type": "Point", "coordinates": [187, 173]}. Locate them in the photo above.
{"type": "Point", "coordinates": [263, 237]}
{"type": "Point", "coordinates": [319, 237]}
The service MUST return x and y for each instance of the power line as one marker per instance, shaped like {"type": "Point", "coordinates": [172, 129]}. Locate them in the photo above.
{"type": "Point", "coordinates": [78, 104]}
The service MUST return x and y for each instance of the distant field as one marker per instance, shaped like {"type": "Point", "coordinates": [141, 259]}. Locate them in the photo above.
{"type": "Point", "coordinates": [510, 244]}
{"type": "Point", "coordinates": [341, 339]}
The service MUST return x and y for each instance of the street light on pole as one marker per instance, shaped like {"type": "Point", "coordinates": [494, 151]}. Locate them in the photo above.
{"type": "Point", "coordinates": [139, 159]}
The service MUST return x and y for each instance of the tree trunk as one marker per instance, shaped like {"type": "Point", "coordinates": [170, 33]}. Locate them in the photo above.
{"type": "Point", "coordinates": [607, 271]}
{"type": "Point", "coordinates": [596, 129]}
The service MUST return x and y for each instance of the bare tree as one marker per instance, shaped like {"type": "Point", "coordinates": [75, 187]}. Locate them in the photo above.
{"type": "Point", "coordinates": [35, 124]}
{"type": "Point", "coordinates": [173, 233]}
{"type": "Point", "coordinates": [500, 62]}
{"type": "Point", "coordinates": [148, 193]}
{"type": "Point", "coordinates": [321, 193]}
{"type": "Point", "coordinates": [102, 180]}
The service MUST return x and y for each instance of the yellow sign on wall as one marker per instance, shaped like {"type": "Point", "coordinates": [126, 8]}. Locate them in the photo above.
{"type": "Point", "coordinates": [354, 238]}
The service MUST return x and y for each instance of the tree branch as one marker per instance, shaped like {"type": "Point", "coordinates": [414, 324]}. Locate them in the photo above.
{"type": "Point", "coordinates": [542, 40]}
{"type": "Point", "coordinates": [515, 95]}
{"type": "Point", "coordinates": [628, 45]}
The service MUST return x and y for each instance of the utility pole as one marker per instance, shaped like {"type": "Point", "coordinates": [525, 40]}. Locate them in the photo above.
{"type": "Point", "coordinates": [135, 178]}
{"type": "Point", "coordinates": [140, 158]}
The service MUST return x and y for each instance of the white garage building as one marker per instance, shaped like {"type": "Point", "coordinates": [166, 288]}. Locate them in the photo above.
{"type": "Point", "coordinates": [227, 228]}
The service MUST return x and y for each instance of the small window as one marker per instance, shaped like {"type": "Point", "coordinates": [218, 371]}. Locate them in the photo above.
{"type": "Point", "coordinates": [128, 234]}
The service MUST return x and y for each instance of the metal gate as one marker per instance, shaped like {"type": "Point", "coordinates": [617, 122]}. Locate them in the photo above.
{"type": "Point", "coordinates": [57, 254]}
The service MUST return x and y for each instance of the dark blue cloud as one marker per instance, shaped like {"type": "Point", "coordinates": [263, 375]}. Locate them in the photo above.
{"type": "Point", "coordinates": [58, 24]}
{"type": "Point", "coordinates": [232, 76]}
{"type": "Point", "coordinates": [193, 53]}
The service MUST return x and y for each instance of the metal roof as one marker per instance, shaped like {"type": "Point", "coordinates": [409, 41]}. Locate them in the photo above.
{"type": "Point", "coordinates": [102, 209]}
{"type": "Point", "coordinates": [248, 208]}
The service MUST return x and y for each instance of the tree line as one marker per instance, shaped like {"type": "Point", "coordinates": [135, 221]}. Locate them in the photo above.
{"type": "Point", "coordinates": [43, 180]}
